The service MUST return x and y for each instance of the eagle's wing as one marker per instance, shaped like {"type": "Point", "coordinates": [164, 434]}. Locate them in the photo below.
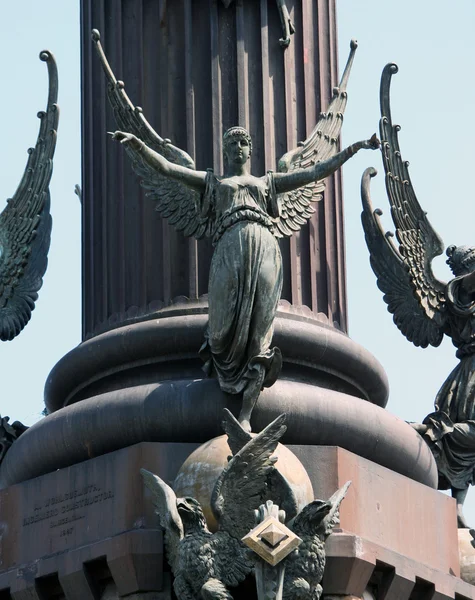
{"type": "Point", "coordinates": [413, 294]}
{"type": "Point", "coordinates": [242, 486]}
{"type": "Point", "coordinates": [295, 207]}
{"type": "Point", "coordinates": [277, 489]}
{"type": "Point", "coordinates": [333, 516]}
{"type": "Point", "coordinates": [25, 223]}
{"type": "Point", "coordinates": [164, 500]}
{"type": "Point", "coordinates": [237, 436]}
{"type": "Point", "coordinates": [174, 200]}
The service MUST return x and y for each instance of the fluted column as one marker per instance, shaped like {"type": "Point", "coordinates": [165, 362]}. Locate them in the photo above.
{"type": "Point", "coordinates": [198, 68]}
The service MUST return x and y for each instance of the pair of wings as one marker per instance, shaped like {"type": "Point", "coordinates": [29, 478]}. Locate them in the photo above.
{"type": "Point", "coordinates": [180, 204]}
{"type": "Point", "coordinates": [414, 296]}
{"type": "Point", "coordinates": [25, 223]}
{"type": "Point", "coordinates": [240, 489]}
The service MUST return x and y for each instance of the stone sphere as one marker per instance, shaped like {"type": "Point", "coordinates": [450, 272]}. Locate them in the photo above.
{"type": "Point", "coordinates": [198, 474]}
{"type": "Point", "coordinates": [467, 556]}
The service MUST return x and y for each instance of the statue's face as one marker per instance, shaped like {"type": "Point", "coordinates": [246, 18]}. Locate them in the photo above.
{"type": "Point", "coordinates": [237, 150]}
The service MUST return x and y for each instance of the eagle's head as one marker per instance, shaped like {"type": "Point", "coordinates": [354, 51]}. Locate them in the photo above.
{"type": "Point", "coordinates": [310, 520]}
{"type": "Point", "coordinates": [191, 514]}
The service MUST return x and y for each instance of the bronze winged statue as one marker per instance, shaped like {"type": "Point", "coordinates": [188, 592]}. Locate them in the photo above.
{"type": "Point", "coordinates": [425, 308]}
{"type": "Point", "coordinates": [205, 564]}
{"type": "Point", "coordinates": [244, 215]}
{"type": "Point", "coordinates": [25, 223]}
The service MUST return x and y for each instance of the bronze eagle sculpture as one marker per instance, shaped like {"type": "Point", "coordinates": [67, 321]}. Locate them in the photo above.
{"type": "Point", "coordinates": [205, 564]}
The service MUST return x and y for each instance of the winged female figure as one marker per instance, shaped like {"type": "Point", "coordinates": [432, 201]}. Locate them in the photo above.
{"type": "Point", "coordinates": [425, 308]}
{"type": "Point", "coordinates": [244, 215]}
{"type": "Point", "coordinates": [25, 223]}
{"type": "Point", "coordinates": [205, 564]}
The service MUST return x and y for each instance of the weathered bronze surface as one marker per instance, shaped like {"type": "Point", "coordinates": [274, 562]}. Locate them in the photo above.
{"type": "Point", "coordinates": [25, 224]}
{"type": "Point", "coordinates": [8, 434]}
{"type": "Point", "coordinates": [426, 308]}
{"type": "Point", "coordinates": [304, 568]}
{"type": "Point", "coordinates": [243, 215]}
{"type": "Point", "coordinates": [204, 564]}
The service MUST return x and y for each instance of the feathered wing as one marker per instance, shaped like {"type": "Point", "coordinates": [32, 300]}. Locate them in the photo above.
{"type": "Point", "coordinates": [164, 500]}
{"type": "Point", "coordinates": [237, 436]}
{"type": "Point", "coordinates": [295, 207]}
{"type": "Point", "coordinates": [242, 486]}
{"type": "Point", "coordinates": [333, 517]}
{"type": "Point", "coordinates": [174, 200]}
{"type": "Point", "coordinates": [25, 224]}
{"type": "Point", "coordinates": [413, 294]}
{"type": "Point", "coordinates": [277, 487]}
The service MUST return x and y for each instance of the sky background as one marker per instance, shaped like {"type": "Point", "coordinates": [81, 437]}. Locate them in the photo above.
{"type": "Point", "coordinates": [433, 97]}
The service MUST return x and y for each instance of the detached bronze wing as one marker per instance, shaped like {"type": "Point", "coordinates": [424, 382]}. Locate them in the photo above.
{"type": "Point", "coordinates": [413, 294]}
{"type": "Point", "coordinates": [296, 206]}
{"type": "Point", "coordinates": [25, 224]}
{"type": "Point", "coordinates": [174, 200]}
{"type": "Point", "coordinates": [242, 486]}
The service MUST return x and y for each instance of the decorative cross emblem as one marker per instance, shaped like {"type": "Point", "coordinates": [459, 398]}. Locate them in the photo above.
{"type": "Point", "coordinates": [272, 540]}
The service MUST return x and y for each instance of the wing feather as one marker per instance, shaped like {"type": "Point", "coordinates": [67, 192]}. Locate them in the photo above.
{"type": "Point", "coordinates": [320, 145]}
{"type": "Point", "coordinates": [174, 200]}
{"type": "Point", "coordinates": [393, 277]}
{"type": "Point", "coordinates": [243, 485]}
{"type": "Point", "coordinates": [25, 224]}
{"type": "Point", "coordinates": [164, 500]}
{"type": "Point", "coordinates": [413, 294]}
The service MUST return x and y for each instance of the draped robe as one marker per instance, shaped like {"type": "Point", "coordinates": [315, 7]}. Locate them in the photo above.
{"type": "Point", "coordinates": [245, 281]}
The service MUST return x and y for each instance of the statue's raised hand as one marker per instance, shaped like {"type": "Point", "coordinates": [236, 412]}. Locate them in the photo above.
{"type": "Point", "coordinates": [127, 139]}
{"type": "Point", "coordinates": [373, 143]}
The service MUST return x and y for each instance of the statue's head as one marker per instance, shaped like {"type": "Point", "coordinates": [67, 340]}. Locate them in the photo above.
{"type": "Point", "coordinates": [237, 144]}
{"type": "Point", "coordinates": [461, 259]}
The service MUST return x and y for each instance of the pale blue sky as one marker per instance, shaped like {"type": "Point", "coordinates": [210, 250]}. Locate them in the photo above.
{"type": "Point", "coordinates": [433, 98]}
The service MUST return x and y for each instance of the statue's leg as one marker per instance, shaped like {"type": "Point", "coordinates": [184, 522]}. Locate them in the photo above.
{"type": "Point", "coordinates": [460, 496]}
{"type": "Point", "coordinates": [287, 25]}
{"type": "Point", "coordinates": [249, 398]}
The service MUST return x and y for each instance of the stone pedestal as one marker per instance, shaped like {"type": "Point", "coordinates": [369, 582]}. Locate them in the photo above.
{"type": "Point", "coordinates": [89, 531]}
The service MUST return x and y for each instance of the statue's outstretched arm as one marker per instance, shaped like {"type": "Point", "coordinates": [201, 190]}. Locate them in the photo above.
{"type": "Point", "coordinates": [193, 179]}
{"type": "Point", "coordinates": [286, 182]}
